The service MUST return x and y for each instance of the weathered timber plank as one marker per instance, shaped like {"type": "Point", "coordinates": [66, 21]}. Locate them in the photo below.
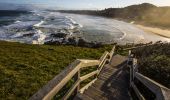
{"type": "Point", "coordinates": [155, 87]}
{"type": "Point", "coordinates": [71, 90]}
{"type": "Point", "coordinates": [88, 63]}
{"type": "Point", "coordinates": [101, 67]}
{"type": "Point", "coordinates": [94, 94]}
{"type": "Point", "coordinates": [139, 95]}
{"type": "Point", "coordinates": [112, 52]}
{"type": "Point", "coordinates": [53, 86]}
{"type": "Point", "coordinates": [80, 96]}
{"type": "Point", "coordinates": [88, 75]}
{"type": "Point", "coordinates": [87, 85]}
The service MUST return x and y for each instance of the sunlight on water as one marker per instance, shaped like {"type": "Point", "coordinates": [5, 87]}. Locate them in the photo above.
{"type": "Point", "coordinates": [37, 28]}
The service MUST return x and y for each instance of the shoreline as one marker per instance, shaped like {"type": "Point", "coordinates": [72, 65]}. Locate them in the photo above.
{"type": "Point", "coordinates": [155, 30]}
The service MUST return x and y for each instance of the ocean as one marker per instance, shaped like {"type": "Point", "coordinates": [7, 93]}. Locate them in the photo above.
{"type": "Point", "coordinates": [40, 27]}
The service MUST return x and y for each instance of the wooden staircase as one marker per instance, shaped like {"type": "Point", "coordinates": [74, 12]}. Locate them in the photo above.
{"type": "Point", "coordinates": [116, 78]}
{"type": "Point", "coordinates": [111, 84]}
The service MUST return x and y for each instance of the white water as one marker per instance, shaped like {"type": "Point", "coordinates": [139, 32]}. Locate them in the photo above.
{"type": "Point", "coordinates": [38, 24]}
{"type": "Point", "coordinates": [37, 27]}
{"type": "Point", "coordinates": [117, 31]}
{"type": "Point", "coordinates": [17, 21]}
{"type": "Point", "coordinates": [38, 38]}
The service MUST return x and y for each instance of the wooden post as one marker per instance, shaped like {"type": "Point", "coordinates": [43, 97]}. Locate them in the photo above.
{"type": "Point", "coordinates": [111, 53]}
{"type": "Point", "coordinates": [76, 77]}
{"type": "Point", "coordinates": [136, 65]}
{"type": "Point", "coordinates": [130, 52]}
{"type": "Point", "coordinates": [131, 74]}
{"type": "Point", "coordinates": [129, 59]}
{"type": "Point", "coordinates": [133, 68]}
{"type": "Point", "coordinates": [130, 65]}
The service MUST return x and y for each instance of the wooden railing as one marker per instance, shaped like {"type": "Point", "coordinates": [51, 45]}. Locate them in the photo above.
{"type": "Point", "coordinates": [73, 70]}
{"type": "Point", "coordinates": [160, 92]}
{"type": "Point", "coordinates": [142, 45]}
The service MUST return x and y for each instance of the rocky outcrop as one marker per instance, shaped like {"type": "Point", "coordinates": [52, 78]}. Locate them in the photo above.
{"type": "Point", "coordinates": [59, 35]}
{"type": "Point", "coordinates": [74, 41]}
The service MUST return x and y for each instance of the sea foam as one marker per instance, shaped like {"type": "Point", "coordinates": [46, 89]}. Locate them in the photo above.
{"type": "Point", "coordinates": [38, 24]}
{"type": "Point", "coordinates": [39, 38]}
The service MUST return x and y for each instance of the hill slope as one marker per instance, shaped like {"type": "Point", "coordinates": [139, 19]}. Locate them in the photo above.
{"type": "Point", "coordinates": [154, 62]}
{"type": "Point", "coordinates": [24, 68]}
{"type": "Point", "coordinates": [145, 13]}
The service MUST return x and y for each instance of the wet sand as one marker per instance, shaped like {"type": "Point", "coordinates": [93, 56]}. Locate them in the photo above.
{"type": "Point", "coordinates": [158, 31]}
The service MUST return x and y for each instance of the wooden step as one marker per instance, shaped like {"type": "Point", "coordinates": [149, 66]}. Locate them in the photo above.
{"type": "Point", "coordinates": [94, 93]}
{"type": "Point", "coordinates": [111, 84]}
{"type": "Point", "coordinates": [104, 78]}
{"type": "Point", "coordinates": [117, 60]}
{"type": "Point", "coordinates": [98, 84]}
{"type": "Point", "coordinates": [108, 68]}
{"type": "Point", "coordinates": [105, 74]}
{"type": "Point", "coordinates": [81, 96]}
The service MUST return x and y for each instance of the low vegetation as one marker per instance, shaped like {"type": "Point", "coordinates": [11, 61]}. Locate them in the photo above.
{"type": "Point", "coordinates": [154, 62]}
{"type": "Point", "coordinates": [24, 68]}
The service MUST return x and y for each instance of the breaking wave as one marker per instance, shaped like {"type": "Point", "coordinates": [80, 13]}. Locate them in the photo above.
{"type": "Point", "coordinates": [40, 27]}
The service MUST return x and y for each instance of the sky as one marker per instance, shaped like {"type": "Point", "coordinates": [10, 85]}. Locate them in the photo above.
{"type": "Point", "coordinates": [87, 4]}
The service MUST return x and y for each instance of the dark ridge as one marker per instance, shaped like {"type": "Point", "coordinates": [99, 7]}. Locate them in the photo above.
{"type": "Point", "coordinates": [12, 12]}
{"type": "Point", "coordinates": [145, 14]}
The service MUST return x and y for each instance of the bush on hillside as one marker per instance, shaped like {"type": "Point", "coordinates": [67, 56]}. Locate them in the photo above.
{"type": "Point", "coordinates": [154, 62]}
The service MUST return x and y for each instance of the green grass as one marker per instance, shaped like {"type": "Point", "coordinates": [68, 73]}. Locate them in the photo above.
{"type": "Point", "coordinates": [24, 68]}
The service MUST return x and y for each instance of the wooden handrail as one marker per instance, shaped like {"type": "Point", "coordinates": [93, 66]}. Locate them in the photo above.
{"type": "Point", "coordinates": [53, 86]}
{"type": "Point", "coordinates": [131, 48]}
{"type": "Point", "coordinates": [112, 52]}
{"type": "Point", "coordinates": [58, 82]}
{"type": "Point", "coordinates": [87, 85]}
{"type": "Point", "coordinates": [160, 91]}
{"type": "Point", "coordinates": [102, 61]}
{"type": "Point", "coordinates": [139, 95]}
{"type": "Point", "coordinates": [71, 90]}
{"type": "Point", "coordinates": [88, 63]}
{"type": "Point", "coordinates": [155, 87]}
{"type": "Point", "coordinates": [88, 75]}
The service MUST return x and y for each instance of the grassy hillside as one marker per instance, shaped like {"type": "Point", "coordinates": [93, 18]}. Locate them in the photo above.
{"type": "Point", "coordinates": [24, 68]}
{"type": "Point", "coordinates": [145, 13]}
{"type": "Point", "coordinates": [154, 62]}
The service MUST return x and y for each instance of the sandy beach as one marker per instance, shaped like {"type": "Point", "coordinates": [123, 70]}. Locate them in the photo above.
{"type": "Point", "coordinates": [158, 31]}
